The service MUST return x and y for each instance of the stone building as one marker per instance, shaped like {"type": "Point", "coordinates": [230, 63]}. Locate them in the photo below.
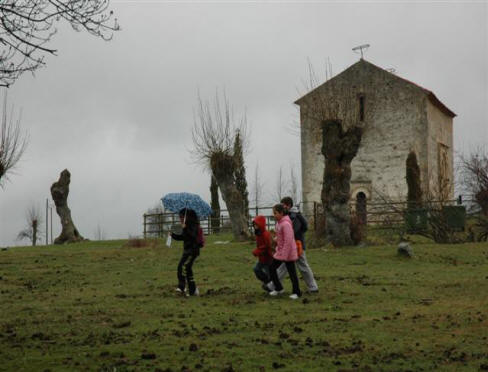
{"type": "Point", "coordinates": [397, 115]}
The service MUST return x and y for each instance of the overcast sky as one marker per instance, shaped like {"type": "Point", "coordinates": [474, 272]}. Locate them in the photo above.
{"type": "Point", "coordinates": [118, 114]}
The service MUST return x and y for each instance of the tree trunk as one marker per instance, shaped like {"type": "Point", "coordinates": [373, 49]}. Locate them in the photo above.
{"type": "Point", "coordinates": [222, 166]}
{"type": "Point", "coordinates": [215, 205]}
{"type": "Point", "coordinates": [414, 194]}
{"type": "Point", "coordinates": [34, 233]}
{"type": "Point", "coordinates": [59, 192]}
{"type": "Point", "coordinates": [338, 148]}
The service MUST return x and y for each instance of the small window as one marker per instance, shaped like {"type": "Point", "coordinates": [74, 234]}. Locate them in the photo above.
{"type": "Point", "coordinates": [361, 108]}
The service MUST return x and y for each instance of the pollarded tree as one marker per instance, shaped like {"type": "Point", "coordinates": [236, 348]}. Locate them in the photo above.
{"type": "Point", "coordinates": [32, 230]}
{"type": "Point", "coordinates": [214, 134]}
{"type": "Point", "coordinates": [27, 27]}
{"type": "Point", "coordinates": [12, 143]}
{"type": "Point", "coordinates": [414, 196]}
{"type": "Point", "coordinates": [342, 111]}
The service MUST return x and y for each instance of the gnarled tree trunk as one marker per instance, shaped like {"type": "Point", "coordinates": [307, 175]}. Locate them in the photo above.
{"type": "Point", "coordinates": [338, 148]}
{"type": "Point", "coordinates": [414, 194]}
{"type": "Point", "coordinates": [222, 166]}
{"type": "Point", "coordinates": [215, 205]}
{"type": "Point", "coordinates": [59, 192]}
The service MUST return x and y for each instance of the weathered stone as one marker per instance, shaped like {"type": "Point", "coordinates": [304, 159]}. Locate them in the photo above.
{"type": "Point", "coordinates": [406, 117]}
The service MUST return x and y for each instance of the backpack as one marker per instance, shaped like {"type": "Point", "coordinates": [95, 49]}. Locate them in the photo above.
{"type": "Point", "coordinates": [296, 217]}
{"type": "Point", "coordinates": [303, 221]}
{"type": "Point", "coordinates": [200, 238]}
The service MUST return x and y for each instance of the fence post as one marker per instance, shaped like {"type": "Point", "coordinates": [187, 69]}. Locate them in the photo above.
{"type": "Point", "coordinates": [144, 226]}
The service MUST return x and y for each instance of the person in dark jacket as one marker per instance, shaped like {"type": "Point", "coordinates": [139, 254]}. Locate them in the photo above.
{"type": "Point", "coordinates": [191, 250]}
{"type": "Point", "coordinates": [262, 251]}
{"type": "Point", "coordinates": [300, 226]}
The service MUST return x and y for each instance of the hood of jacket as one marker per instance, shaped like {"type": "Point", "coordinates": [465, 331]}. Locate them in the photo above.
{"type": "Point", "coordinates": [260, 221]}
{"type": "Point", "coordinates": [294, 209]}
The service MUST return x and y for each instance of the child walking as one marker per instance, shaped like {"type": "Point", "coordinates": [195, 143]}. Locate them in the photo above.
{"type": "Point", "coordinates": [191, 250]}
{"type": "Point", "coordinates": [286, 252]}
{"type": "Point", "coordinates": [262, 251]}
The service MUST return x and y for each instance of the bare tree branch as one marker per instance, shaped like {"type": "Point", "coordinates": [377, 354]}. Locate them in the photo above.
{"type": "Point", "coordinates": [13, 143]}
{"type": "Point", "coordinates": [27, 26]}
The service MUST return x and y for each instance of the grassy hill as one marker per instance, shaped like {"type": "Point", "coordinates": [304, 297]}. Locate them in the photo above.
{"type": "Point", "coordinates": [108, 306]}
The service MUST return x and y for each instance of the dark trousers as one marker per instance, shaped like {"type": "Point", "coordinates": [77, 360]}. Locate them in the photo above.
{"type": "Point", "coordinates": [292, 271]}
{"type": "Point", "coordinates": [261, 271]}
{"type": "Point", "coordinates": [185, 272]}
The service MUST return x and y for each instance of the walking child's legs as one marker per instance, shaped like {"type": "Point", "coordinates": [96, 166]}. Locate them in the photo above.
{"type": "Point", "coordinates": [307, 273]}
{"type": "Point", "coordinates": [179, 272]}
{"type": "Point", "coordinates": [281, 271]}
{"type": "Point", "coordinates": [292, 271]}
{"type": "Point", "coordinates": [189, 275]}
{"type": "Point", "coordinates": [262, 272]}
{"type": "Point", "coordinates": [274, 276]}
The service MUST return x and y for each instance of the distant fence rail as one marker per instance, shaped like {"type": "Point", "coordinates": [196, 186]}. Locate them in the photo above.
{"type": "Point", "coordinates": [158, 224]}
{"type": "Point", "coordinates": [385, 214]}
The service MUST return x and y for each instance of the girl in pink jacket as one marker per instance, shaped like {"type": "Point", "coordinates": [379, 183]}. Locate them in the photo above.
{"type": "Point", "coordinates": [286, 252]}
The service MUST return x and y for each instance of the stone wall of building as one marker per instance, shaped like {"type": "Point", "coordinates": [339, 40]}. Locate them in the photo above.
{"type": "Point", "coordinates": [398, 119]}
{"type": "Point", "coordinates": [440, 143]}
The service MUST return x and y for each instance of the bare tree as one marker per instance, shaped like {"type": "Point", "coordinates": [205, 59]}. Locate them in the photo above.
{"type": "Point", "coordinates": [27, 27]}
{"type": "Point", "coordinates": [33, 230]}
{"type": "Point", "coordinates": [293, 189]}
{"type": "Point", "coordinates": [280, 186]}
{"type": "Point", "coordinates": [99, 233]}
{"type": "Point", "coordinates": [214, 133]}
{"type": "Point", "coordinates": [12, 143]}
{"type": "Point", "coordinates": [257, 189]}
{"type": "Point", "coordinates": [474, 175]}
{"type": "Point", "coordinates": [59, 193]}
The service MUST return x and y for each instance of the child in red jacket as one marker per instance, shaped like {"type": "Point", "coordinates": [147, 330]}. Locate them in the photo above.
{"type": "Point", "coordinates": [262, 251]}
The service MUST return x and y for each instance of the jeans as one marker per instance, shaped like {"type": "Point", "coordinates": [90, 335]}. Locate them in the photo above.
{"type": "Point", "coordinates": [290, 266]}
{"type": "Point", "coordinates": [261, 271]}
{"type": "Point", "coordinates": [186, 261]}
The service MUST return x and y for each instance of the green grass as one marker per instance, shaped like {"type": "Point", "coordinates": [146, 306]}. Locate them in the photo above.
{"type": "Point", "coordinates": [106, 306]}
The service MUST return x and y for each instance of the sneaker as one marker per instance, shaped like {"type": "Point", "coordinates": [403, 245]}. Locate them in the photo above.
{"type": "Point", "coordinates": [196, 293]}
{"type": "Point", "coordinates": [178, 289]}
{"type": "Point", "coordinates": [266, 288]}
{"type": "Point", "coordinates": [294, 296]}
{"type": "Point", "coordinates": [276, 293]}
{"type": "Point", "coordinates": [312, 291]}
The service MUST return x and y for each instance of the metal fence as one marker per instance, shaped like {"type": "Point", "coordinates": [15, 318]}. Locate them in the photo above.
{"type": "Point", "coordinates": [158, 224]}
{"type": "Point", "coordinates": [385, 214]}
